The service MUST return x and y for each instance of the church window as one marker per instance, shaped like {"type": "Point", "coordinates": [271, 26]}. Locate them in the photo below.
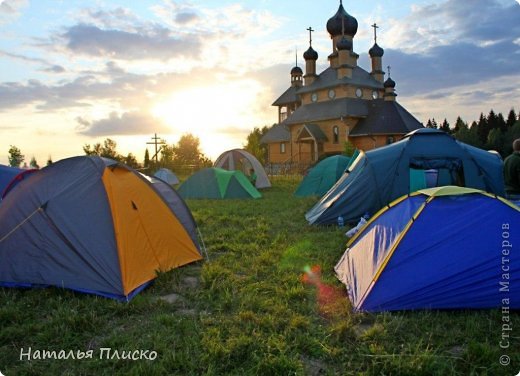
{"type": "Point", "coordinates": [282, 148]}
{"type": "Point", "coordinates": [335, 134]}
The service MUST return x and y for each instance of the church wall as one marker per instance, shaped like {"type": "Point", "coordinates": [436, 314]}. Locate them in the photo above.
{"type": "Point", "coordinates": [275, 156]}
{"type": "Point", "coordinates": [370, 142]}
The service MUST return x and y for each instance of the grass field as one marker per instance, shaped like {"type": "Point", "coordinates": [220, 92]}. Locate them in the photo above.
{"type": "Point", "coordinates": [249, 311]}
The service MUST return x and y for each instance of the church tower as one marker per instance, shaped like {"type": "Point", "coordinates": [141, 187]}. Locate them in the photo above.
{"type": "Point", "coordinates": [342, 26]}
{"type": "Point", "coordinates": [310, 57]}
{"type": "Point", "coordinates": [376, 55]}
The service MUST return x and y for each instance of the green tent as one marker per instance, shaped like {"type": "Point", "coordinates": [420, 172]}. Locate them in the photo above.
{"type": "Point", "coordinates": [322, 176]}
{"type": "Point", "coordinates": [218, 183]}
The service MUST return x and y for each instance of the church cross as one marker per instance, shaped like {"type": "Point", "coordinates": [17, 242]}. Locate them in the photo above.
{"type": "Point", "coordinates": [388, 67]}
{"type": "Point", "coordinates": [375, 31]}
{"type": "Point", "coordinates": [310, 29]}
{"type": "Point", "coordinates": [157, 142]}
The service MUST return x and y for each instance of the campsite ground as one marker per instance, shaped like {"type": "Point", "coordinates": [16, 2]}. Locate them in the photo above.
{"type": "Point", "coordinates": [250, 310]}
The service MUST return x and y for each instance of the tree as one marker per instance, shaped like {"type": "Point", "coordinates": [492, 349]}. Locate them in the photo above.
{"type": "Point", "coordinates": [458, 124]}
{"type": "Point", "coordinates": [467, 135]}
{"type": "Point", "coordinates": [431, 123]}
{"type": "Point", "coordinates": [511, 119]}
{"type": "Point", "coordinates": [495, 140]}
{"type": "Point", "coordinates": [167, 156]}
{"type": "Point", "coordinates": [349, 149]}
{"type": "Point", "coordinates": [445, 126]}
{"type": "Point", "coordinates": [16, 158]}
{"type": "Point", "coordinates": [482, 129]}
{"type": "Point", "coordinates": [254, 146]}
{"type": "Point", "coordinates": [187, 151]}
{"type": "Point", "coordinates": [33, 163]}
{"type": "Point", "coordinates": [512, 134]}
{"type": "Point", "coordinates": [146, 159]}
{"type": "Point", "coordinates": [107, 150]}
{"type": "Point", "coordinates": [492, 121]}
{"type": "Point", "coordinates": [49, 161]}
{"type": "Point", "coordinates": [131, 161]}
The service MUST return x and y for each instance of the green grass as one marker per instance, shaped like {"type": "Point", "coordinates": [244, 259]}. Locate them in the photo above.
{"type": "Point", "coordinates": [250, 313]}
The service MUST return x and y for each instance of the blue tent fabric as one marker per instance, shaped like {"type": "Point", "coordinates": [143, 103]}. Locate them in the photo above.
{"type": "Point", "coordinates": [449, 256]}
{"type": "Point", "coordinates": [7, 174]}
{"type": "Point", "coordinates": [167, 176]}
{"type": "Point", "coordinates": [379, 176]}
{"type": "Point", "coordinates": [47, 201]}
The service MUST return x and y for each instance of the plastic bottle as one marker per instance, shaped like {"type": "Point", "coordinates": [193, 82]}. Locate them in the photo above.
{"type": "Point", "coordinates": [341, 222]}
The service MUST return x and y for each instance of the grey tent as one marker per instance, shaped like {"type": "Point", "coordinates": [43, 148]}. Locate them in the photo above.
{"type": "Point", "coordinates": [92, 225]}
{"type": "Point", "coordinates": [238, 159]}
{"type": "Point", "coordinates": [167, 176]}
{"type": "Point", "coordinates": [424, 158]}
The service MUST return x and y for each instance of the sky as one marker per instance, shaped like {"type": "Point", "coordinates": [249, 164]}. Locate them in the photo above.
{"type": "Point", "coordinates": [75, 72]}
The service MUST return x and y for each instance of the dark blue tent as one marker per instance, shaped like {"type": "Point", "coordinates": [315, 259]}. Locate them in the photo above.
{"type": "Point", "coordinates": [439, 248]}
{"type": "Point", "coordinates": [379, 176]}
{"type": "Point", "coordinates": [7, 174]}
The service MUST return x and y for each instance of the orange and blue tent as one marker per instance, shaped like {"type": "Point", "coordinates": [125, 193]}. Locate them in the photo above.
{"type": "Point", "coordinates": [439, 248]}
{"type": "Point", "coordinates": [92, 225]}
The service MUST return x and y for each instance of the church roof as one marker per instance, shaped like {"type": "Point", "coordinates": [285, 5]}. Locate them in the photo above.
{"type": "Point", "coordinates": [329, 78]}
{"type": "Point", "coordinates": [312, 130]}
{"type": "Point", "coordinates": [289, 96]}
{"type": "Point", "coordinates": [332, 109]}
{"type": "Point", "coordinates": [277, 133]}
{"type": "Point", "coordinates": [385, 117]}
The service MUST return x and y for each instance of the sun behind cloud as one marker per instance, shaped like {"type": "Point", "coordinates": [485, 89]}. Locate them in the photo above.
{"type": "Point", "coordinates": [221, 114]}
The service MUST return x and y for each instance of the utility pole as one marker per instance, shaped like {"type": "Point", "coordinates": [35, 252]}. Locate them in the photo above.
{"type": "Point", "coordinates": [156, 142]}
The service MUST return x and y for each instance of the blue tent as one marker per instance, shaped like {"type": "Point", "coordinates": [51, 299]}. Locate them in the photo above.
{"type": "Point", "coordinates": [7, 174]}
{"type": "Point", "coordinates": [379, 176]}
{"type": "Point", "coordinates": [167, 176]}
{"type": "Point", "coordinates": [439, 248]}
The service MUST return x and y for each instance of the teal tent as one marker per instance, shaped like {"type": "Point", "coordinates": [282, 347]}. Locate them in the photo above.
{"type": "Point", "coordinates": [322, 176]}
{"type": "Point", "coordinates": [217, 183]}
{"type": "Point", "coordinates": [379, 176]}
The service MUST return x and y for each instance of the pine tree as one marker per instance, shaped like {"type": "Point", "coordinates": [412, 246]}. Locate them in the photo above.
{"type": "Point", "coordinates": [431, 123]}
{"type": "Point", "coordinates": [146, 159]}
{"type": "Point", "coordinates": [501, 123]}
{"type": "Point", "coordinates": [511, 119]}
{"type": "Point", "coordinates": [445, 126]}
{"type": "Point", "coordinates": [33, 163]}
{"type": "Point", "coordinates": [458, 124]}
{"type": "Point", "coordinates": [482, 129]}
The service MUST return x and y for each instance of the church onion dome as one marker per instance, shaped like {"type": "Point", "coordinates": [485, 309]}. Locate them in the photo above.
{"type": "Point", "coordinates": [344, 44]}
{"type": "Point", "coordinates": [376, 51]}
{"type": "Point", "coordinates": [310, 54]}
{"type": "Point", "coordinates": [296, 71]}
{"type": "Point", "coordinates": [389, 83]}
{"type": "Point", "coordinates": [336, 22]}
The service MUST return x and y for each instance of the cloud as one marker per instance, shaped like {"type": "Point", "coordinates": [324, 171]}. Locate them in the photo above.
{"type": "Point", "coordinates": [453, 21]}
{"type": "Point", "coordinates": [11, 9]}
{"type": "Point", "coordinates": [450, 44]}
{"type": "Point", "coordinates": [148, 44]}
{"type": "Point", "coordinates": [129, 123]}
{"type": "Point", "coordinates": [47, 66]}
